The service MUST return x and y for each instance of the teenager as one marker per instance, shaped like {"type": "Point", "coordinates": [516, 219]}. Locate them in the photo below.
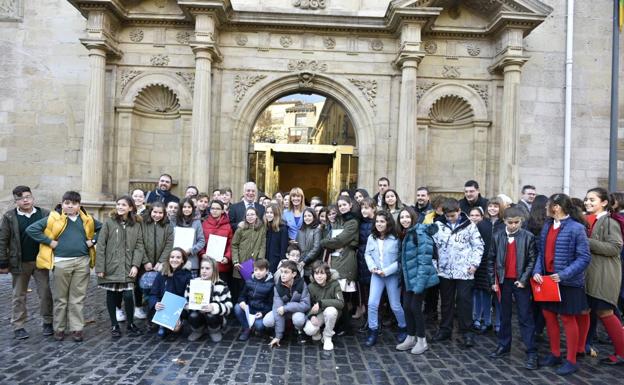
{"type": "Point", "coordinates": [138, 196]}
{"type": "Point", "coordinates": [327, 302]}
{"type": "Point", "coordinates": [603, 277]}
{"type": "Point", "coordinates": [382, 259]}
{"type": "Point", "coordinates": [18, 253]}
{"type": "Point", "coordinates": [482, 289]}
{"type": "Point", "coordinates": [360, 194]}
{"type": "Point", "coordinates": [249, 242]}
{"type": "Point", "coordinates": [392, 204]}
{"type": "Point", "coordinates": [294, 215]}
{"type": "Point", "coordinates": [617, 213]}
{"type": "Point", "coordinates": [563, 254]}
{"type": "Point", "coordinates": [172, 209]}
{"type": "Point", "coordinates": [186, 218]}
{"type": "Point", "coordinates": [510, 264]}
{"type": "Point", "coordinates": [118, 259]}
{"type": "Point", "coordinates": [257, 296]}
{"type": "Point", "coordinates": [66, 239]}
{"type": "Point", "coordinates": [367, 210]}
{"type": "Point", "coordinates": [203, 206]}
{"type": "Point", "coordinates": [210, 316]}
{"type": "Point", "coordinates": [217, 223]}
{"type": "Point", "coordinates": [276, 236]}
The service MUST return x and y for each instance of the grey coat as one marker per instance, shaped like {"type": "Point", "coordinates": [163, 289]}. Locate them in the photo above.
{"type": "Point", "coordinates": [309, 241]}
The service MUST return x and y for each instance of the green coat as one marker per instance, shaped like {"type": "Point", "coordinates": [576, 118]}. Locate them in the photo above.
{"type": "Point", "coordinates": [346, 262]}
{"type": "Point", "coordinates": [248, 243]}
{"type": "Point", "coordinates": [117, 251]}
{"type": "Point", "coordinates": [326, 296]}
{"type": "Point", "coordinates": [157, 242]}
{"type": "Point", "coordinates": [10, 243]}
{"type": "Point", "coordinates": [603, 276]}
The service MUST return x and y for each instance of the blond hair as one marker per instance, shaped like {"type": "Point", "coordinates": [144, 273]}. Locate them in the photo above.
{"type": "Point", "coordinates": [299, 192]}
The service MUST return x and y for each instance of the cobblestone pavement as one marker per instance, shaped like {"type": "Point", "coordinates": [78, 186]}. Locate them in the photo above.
{"type": "Point", "coordinates": [147, 359]}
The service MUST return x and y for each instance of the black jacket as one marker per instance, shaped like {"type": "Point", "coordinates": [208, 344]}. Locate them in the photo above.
{"type": "Point", "coordinates": [465, 206]}
{"type": "Point", "coordinates": [526, 254]}
{"type": "Point", "coordinates": [237, 213]}
{"type": "Point", "coordinates": [276, 245]}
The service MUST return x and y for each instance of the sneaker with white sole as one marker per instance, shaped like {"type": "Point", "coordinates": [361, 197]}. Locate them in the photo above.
{"type": "Point", "coordinates": [317, 336]}
{"type": "Point", "coordinates": [328, 344]}
{"type": "Point", "coordinates": [121, 316]}
{"type": "Point", "coordinates": [139, 313]}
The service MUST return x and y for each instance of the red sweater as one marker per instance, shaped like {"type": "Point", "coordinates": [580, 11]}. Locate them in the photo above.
{"type": "Point", "coordinates": [549, 249]}
{"type": "Point", "coordinates": [511, 271]}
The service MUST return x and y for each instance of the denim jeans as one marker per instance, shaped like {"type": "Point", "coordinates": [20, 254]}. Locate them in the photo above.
{"type": "Point", "coordinates": [377, 286]}
{"type": "Point", "coordinates": [240, 316]}
{"type": "Point", "coordinates": [482, 308]}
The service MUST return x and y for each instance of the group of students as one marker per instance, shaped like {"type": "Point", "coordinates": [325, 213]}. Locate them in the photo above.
{"type": "Point", "coordinates": [318, 267]}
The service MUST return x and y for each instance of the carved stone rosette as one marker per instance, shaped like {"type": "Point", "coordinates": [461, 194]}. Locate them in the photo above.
{"type": "Point", "coordinates": [431, 47]}
{"type": "Point", "coordinates": [376, 45]}
{"type": "Point", "coordinates": [241, 40]}
{"type": "Point", "coordinates": [368, 88]}
{"type": "Point", "coordinates": [329, 42]}
{"type": "Point", "coordinates": [310, 4]}
{"type": "Point", "coordinates": [473, 49]}
{"type": "Point", "coordinates": [136, 35]}
{"type": "Point", "coordinates": [159, 60]}
{"type": "Point", "coordinates": [244, 82]}
{"type": "Point", "coordinates": [183, 37]}
{"type": "Point", "coordinates": [306, 65]}
{"type": "Point", "coordinates": [286, 41]}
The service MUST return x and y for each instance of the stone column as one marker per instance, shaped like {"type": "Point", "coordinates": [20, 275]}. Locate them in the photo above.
{"type": "Point", "coordinates": [406, 149]}
{"type": "Point", "coordinates": [199, 170]}
{"type": "Point", "coordinates": [93, 139]}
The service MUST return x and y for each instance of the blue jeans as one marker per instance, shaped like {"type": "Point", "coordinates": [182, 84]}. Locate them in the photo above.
{"type": "Point", "coordinates": [377, 285]}
{"type": "Point", "coordinates": [240, 316]}
{"type": "Point", "coordinates": [482, 307]}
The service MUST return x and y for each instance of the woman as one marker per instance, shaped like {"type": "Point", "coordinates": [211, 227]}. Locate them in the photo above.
{"type": "Point", "coordinates": [360, 194]}
{"type": "Point", "coordinates": [309, 240]}
{"type": "Point", "coordinates": [392, 204]}
{"type": "Point", "coordinates": [218, 224]}
{"type": "Point", "coordinates": [293, 216]}
{"type": "Point", "coordinates": [603, 277]}
{"type": "Point", "coordinates": [564, 255]}
{"type": "Point", "coordinates": [276, 236]}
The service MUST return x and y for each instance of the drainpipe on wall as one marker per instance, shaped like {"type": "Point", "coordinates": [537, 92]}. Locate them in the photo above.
{"type": "Point", "coordinates": [567, 133]}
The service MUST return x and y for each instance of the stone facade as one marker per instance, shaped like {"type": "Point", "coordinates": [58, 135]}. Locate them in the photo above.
{"type": "Point", "coordinates": [97, 97]}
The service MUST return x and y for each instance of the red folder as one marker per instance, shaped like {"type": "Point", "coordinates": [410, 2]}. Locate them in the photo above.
{"type": "Point", "coordinates": [548, 291]}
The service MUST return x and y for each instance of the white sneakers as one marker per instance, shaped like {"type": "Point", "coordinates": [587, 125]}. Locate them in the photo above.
{"type": "Point", "coordinates": [328, 344]}
{"type": "Point", "coordinates": [421, 346]}
{"type": "Point", "coordinates": [139, 313]}
{"type": "Point", "coordinates": [121, 316]}
{"type": "Point", "coordinates": [409, 343]}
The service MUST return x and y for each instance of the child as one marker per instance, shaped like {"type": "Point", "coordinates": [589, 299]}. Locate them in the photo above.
{"type": "Point", "coordinates": [326, 297]}
{"type": "Point", "coordinates": [172, 212]}
{"type": "Point", "coordinates": [276, 236]}
{"type": "Point", "coordinates": [203, 204]}
{"type": "Point", "coordinates": [211, 316]}
{"type": "Point", "coordinates": [309, 240]}
{"type": "Point", "coordinates": [367, 209]}
{"type": "Point", "coordinates": [293, 253]}
{"type": "Point", "coordinates": [482, 289]}
{"type": "Point", "coordinates": [186, 218]}
{"type": "Point", "coordinates": [218, 223]}
{"type": "Point", "coordinates": [174, 278]}
{"type": "Point", "coordinates": [290, 300]}
{"type": "Point", "coordinates": [257, 294]}
{"type": "Point", "coordinates": [119, 256]}
{"type": "Point", "coordinates": [249, 242]}
{"type": "Point", "coordinates": [510, 263]}
{"type": "Point", "coordinates": [66, 240]}
{"type": "Point", "coordinates": [382, 259]}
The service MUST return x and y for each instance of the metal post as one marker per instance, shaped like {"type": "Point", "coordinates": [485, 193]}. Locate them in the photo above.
{"type": "Point", "coordinates": [613, 135]}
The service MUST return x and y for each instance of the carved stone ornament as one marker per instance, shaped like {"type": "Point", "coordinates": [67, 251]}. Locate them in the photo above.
{"type": "Point", "coordinates": [421, 89]}
{"type": "Point", "coordinates": [310, 4]}
{"type": "Point", "coordinates": [451, 72]}
{"type": "Point", "coordinates": [157, 99]}
{"type": "Point", "coordinates": [159, 60]}
{"type": "Point", "coordinates": [473, 49]}
{"type": "Point", "coordinates": [189, 79]}
{"type": "Point", "coordinates": [241, 40]}
{"type": "Point", "coordinates": [451, 109]}
{"type": "Point", "coordinates": [126, 76]}
{"type": "Point", "coordinates": [9, 9]}
{"type": "Point", "coordinates": [329, 42]}
{"type": "Point", "coordinates": [431, 47]}
{"type": "Point", "coordinates": [483, 92]}
{"type": "Point", "coordinates": [306, 79]}
{"type": "Point", "coordinates": [244, 82]}
{"type": "Point", "coordinates": [376, 45]}
{"type": "Point", "coordinates": [306, 65]}
{"type": "Point", "coordinates": [368, 88]}
{"type": "Point", "coordinates": [286, 41]}
{"type": "Point", "coordinates": [183, 37]}
{"type": "Point", "coordinates": [136, 35]}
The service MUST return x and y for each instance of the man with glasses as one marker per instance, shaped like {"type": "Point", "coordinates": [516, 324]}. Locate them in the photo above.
{"type": "Point", "coordinates": [18, 253]}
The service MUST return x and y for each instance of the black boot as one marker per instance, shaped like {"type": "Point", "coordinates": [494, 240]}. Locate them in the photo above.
{"type": "Point", "coordinates": [372, 337]}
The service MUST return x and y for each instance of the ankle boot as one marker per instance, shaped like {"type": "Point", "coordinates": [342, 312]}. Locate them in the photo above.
{"type": "Point", "coordinates": [372, 337]}
{"type": "Point", "coordinates": [407, 344]}
{"type": "Point", "coordinates": [421, 346]}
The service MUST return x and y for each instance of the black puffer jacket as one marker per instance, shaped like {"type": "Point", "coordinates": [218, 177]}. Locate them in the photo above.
{"type": "Point", "coordinates": [481, 275]}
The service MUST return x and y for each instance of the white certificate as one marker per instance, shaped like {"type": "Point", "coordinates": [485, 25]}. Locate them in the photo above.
{"type": "Point", "coordinates": [334, 234]}
{"type": "Point", "coordinates": [216, 247]}
{"type": "Point", "coordinates": [184, 237]}
{"type": "Point", "coordinates": [199, 293]}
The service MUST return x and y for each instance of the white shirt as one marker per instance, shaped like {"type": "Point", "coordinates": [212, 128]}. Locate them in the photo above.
{"type": "Point", "coordinates": [27, 215]}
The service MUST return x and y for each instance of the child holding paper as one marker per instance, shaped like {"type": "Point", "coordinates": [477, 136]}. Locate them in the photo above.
{"type": "Point", "coordinates": [212, 315]}
{"type": "Point", "coordinates": [509, 265]}
{"type": "Point", "coordinates": [174, 278]}
{"type": "Point", "coordinates": [257, 296]}
{"type": "Point", "coordinates": [249, 242]}
{"type": "Point", "coordinates": [186, 219]}
{"type": "Point", "coordinates": [218, 224]}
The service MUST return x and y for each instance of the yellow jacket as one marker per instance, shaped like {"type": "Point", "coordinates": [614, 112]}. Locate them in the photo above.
{"type": "Point", "coordinates": [55, 226]}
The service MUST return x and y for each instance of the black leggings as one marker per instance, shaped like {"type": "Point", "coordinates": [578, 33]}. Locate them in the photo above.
{"type": "Point", "coordinates": [113, 298]}
{"type": "Point", "coordinates": [414, 318]}
{"type": "Point", "coordinates": [198, 319]}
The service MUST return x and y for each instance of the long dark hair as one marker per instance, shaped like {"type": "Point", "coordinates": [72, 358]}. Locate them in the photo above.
{"type": "Point", "coordinates": [151, 207]}
{"type": "Point", "coordinates": [181, 219]}
{"type": "Point", "coordinates": [398, 205]}
{"type": "Point", "coordinates": [617, 200]}
{"type": "Point", "coordinates": [133, 217]}
{"type": "Point", "coordinates": [413, 215]}
{"type": "Point", "coordinates": [315, 221]}
{"type": "Point", "coordinates": [537, 215]}
{"type": "Point", "coordinates": [603, 195]}
{"type": "Point", "coordinates": [390, 225]}
{"type": "Point", "coordinates": [565, 202]}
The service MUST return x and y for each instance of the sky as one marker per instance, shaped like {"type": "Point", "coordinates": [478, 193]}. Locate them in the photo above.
{"type": "Point", "coordinates": [312, 98]}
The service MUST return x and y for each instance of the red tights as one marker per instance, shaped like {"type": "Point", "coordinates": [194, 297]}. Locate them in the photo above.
{"type": "Point", "coordinates": [614, 328]}
{"type": "Point", "coordinates": [575, 327]}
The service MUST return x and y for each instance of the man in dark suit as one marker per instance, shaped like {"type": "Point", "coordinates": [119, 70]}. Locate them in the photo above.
{"type": "Point", "coordinates": [237, 210]}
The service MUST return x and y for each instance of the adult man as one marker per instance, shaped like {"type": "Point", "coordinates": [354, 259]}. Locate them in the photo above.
{"type": "Point", "coordinates": [237, 210]}
{"type": "Point", "coordinates": [472, 198]}
{"type": "Point", "coordinates": [383, 184]}
{"type": "Point", "coordinates": [423, 205]}
{"type": "Point", "coordinates": [18, 253]}
{"type": "Point", "coordinates": [526, 200]}
{"type": "Point", "coordinates": [162, 193]}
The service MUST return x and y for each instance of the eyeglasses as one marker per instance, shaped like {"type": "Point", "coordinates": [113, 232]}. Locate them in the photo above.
{"type": "Point", "coordinates": [26, 198]}
{"type": "Point", "coordinates": [215, 209]}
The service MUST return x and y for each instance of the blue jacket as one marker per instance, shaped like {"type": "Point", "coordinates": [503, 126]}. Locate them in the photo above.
{"type": "Point", "coordinates": [176, 284]}
{"type": "Point", "coordinates": [390, 255]}
{"type": "Point", "coordinates": [571, 252]}
{"type": "Point", "coordinates": [417, 259]}
{"type": "Point", "coordinates": [289, 217]}
{"type": "Point", "coordinates": [276, 245]}
{"type": "Point", "coordinates": [366, 226]}
{"type": "Point", "coordinates": [258, 294]}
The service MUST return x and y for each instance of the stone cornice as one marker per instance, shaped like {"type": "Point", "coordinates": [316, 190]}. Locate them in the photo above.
{"type": "Point", "coordinates": [507, 60]}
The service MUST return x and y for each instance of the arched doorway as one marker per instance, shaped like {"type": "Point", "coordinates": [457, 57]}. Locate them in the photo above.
{"type": "Point", "coordinates": [306, 140]}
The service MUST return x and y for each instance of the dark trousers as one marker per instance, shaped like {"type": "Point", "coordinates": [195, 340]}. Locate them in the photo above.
{"type": "Point", "coordinates": [236, 288]}
{"type": "Point", "coordinates": [198, 319]}
{"type": "Point", "coordinates": [432, 295]}
{"type": "Point", "coordinates": [414, 318]}
{"type": "Point", "coordinates": [456, 293]}
{"type": "Point", "coordinates": [525, 316]}
{"type": "Point", "coordinates": [113, 299]}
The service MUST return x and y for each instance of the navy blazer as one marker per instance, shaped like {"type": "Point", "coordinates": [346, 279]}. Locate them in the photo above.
{"type": "Point", "coordinates": [237, 213]}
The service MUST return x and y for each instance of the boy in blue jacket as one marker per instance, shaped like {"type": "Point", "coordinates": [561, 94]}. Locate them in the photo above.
{"type": "Point", "coordinates": [257, 295]}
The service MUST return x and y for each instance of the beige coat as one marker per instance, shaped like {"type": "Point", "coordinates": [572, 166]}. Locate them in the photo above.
{"type": "Point", "coordinates": [604, 274]}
